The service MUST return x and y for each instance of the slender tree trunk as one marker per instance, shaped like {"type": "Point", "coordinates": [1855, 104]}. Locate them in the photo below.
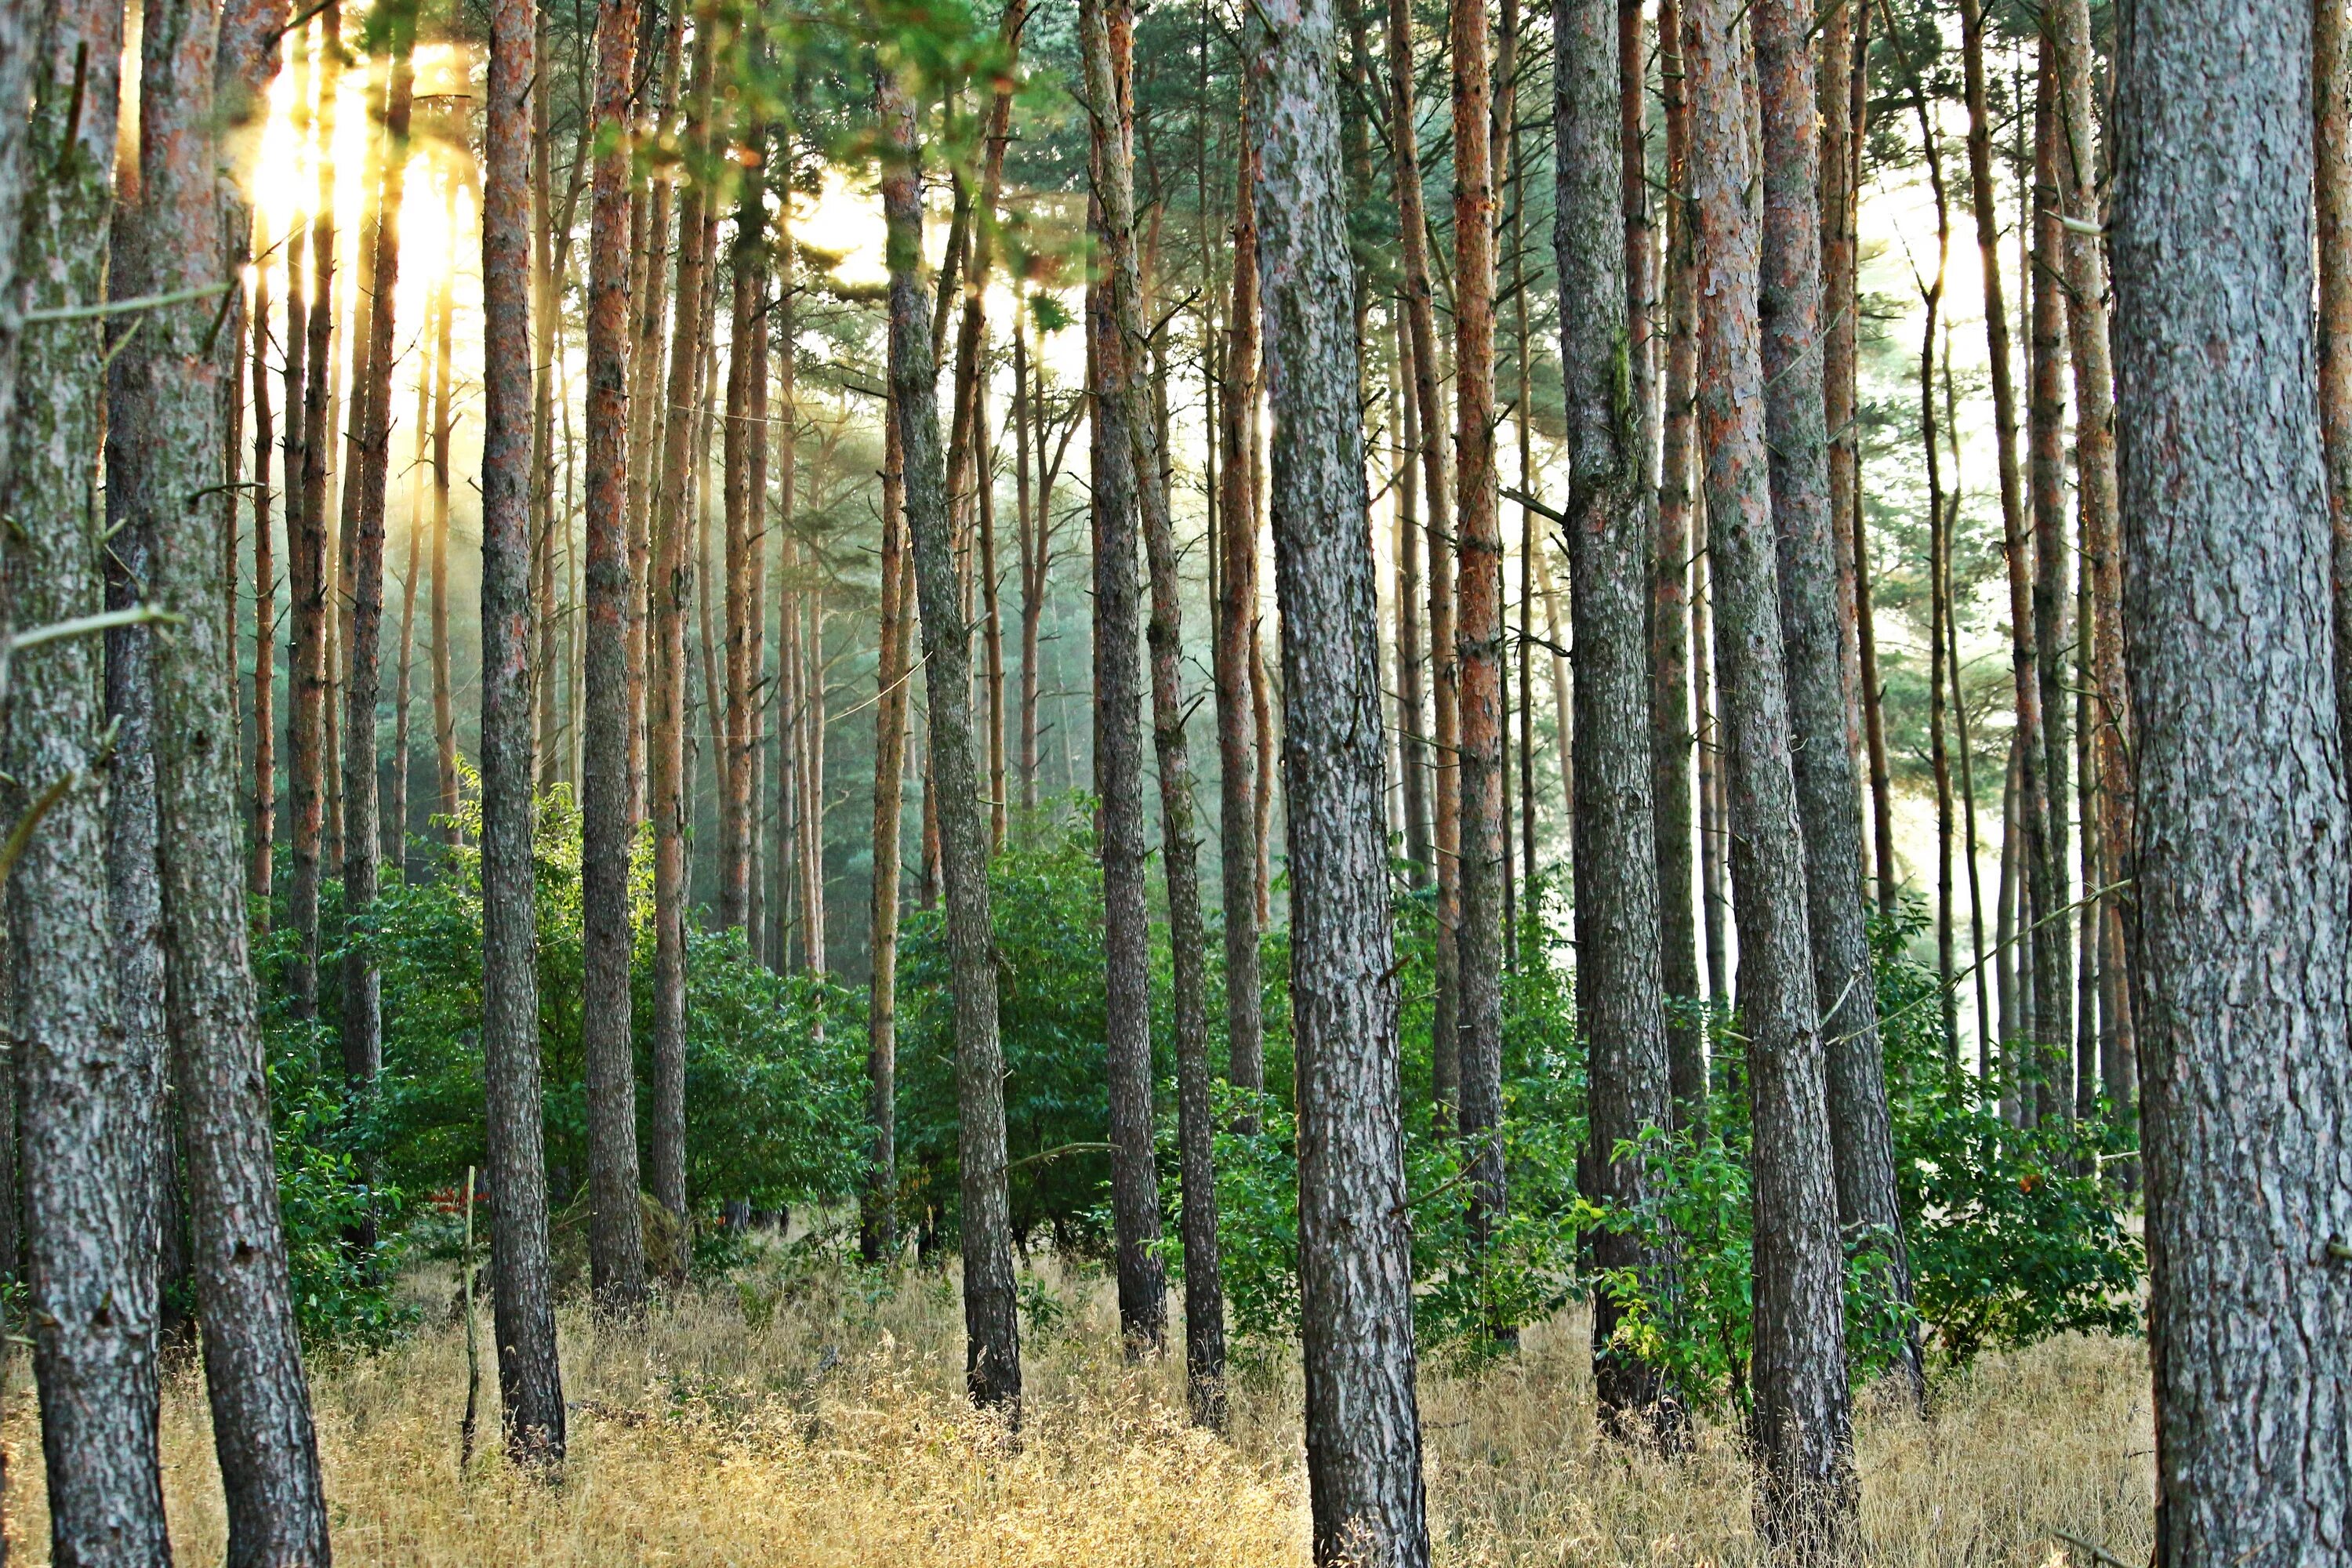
{"type": "Point", "coordinates": [1621, 1002]}
{"type": "Point", "coordinates": [2095, 467]}
{"type": "Point", "coordinates": [307, 540]}
{"type": "Point", "coordinates": [1122, 425]}
{"type": "Point", "coordinates": [736, 738]}
{"type": "Point", "coordinates": [1028, 531]}
{"type": "Point", "coordinates": [992, 1328]}
{"type": "Point", "coordinates": [1842, 131]}
{"type": "Point", "coordinates": [1672, 737]}
{"type": "Point", "coordinates": [259, 867]}
{"type": "Point", "coordinates": [811, 784]}
{"type": "Point", "coordinates": [1363, 1442]}
{"type": "Point", "coordinates": [616, 1253]}
{"type": "Point", "coordinates": [2240, 985]}
{"type": "Point", "coordinates": [396, 822]}
{"type": "Point", "coordinates": [362, 1019]}
{"type": "Point", "coordinates": [1478, 633]}
{"type": "Point", "coordinates": [445, 712]}
{"type": "Point", "coordinates": [666, 695]}
{"type": "Point", "coordinates": [1420, 321]}
{"type": "Point", "coordinates": [649, 262]}
{"type": "Point", "coordinates": [1828, 802]}
{"type": "Point", "coordinates": [531, 1384]}
{"type": "Point", "coordinates": [878, 1230]}
{"type": "Point", "coordinates": [1237, 600]}
{"type": "Point", "coordinates": [2033, 807]}
{"type": "Point", "coordinates": [291, 462]}
{"type": "Point", "coordinates": [165, 430]}
{"type": "Point", "coordinates": [2046, 472]}
{"type": "Point", "coordinates": [1803, 1426]}
{"type": "Point", "coordinates": [1205, 1310]}
{"type": "Point", "coordinates": [1709, 744]}
{"type": "Point", "coordinates": [1412, 652]}
{"type": "Point", "coordinates": [89, 1079]}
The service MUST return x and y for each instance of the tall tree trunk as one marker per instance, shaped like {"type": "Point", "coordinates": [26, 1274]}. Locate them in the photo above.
{"type": "Point", "coordinates": [297, 370]}
{"type": "Point", "coordinates": [363, 981]}
{"type": "Point", "coordinates": [616, 1253]}
{"type": "Point", "coordinates": [1237, 600]}
{"type": "Point", "coordinates": [395, 816]}
{"type": "Point", "coordinates": [649, 288]}
{"type": "Point", "coordinates": [1412, 652]}
{"type": "Point", "coordinates": [1828, 800]}
{"type": "Point", "coordinates": [1708, 733]}
{"type": "Point", "coordinates": [1672, 736]}
{"type": "Point", "coordinates": [1363, 1429]}
{"type": "Point", "coordinates": [1028, 531]}
{"type": "Point", "coordinates": [1620, 999]}
{"type": "Point", "coordinates": [1479, 632]}
{"type": "Point", "coordinates": [259, 867]}
{"type": "Point", "coordinates": [445, 712]}
{"type": "Point", "coordinates": [991, 1327]}
{"type": "Point", "coordinates": [1122, 425]}
{"type": "Point", "coordinates": [812, 781]}
{"type": "Point", "coordinates": [90, 1080]}
{"type": "Point", "coordinates": [737, 737]}
{"type": "Point", "coordinates": [529, 1381]}
{"type": "Point", "coordinates": [306, 545]}
{"type": "Point", "coordinates": [2046, 473]}
{"type": "Point", "coordinates": [877, 1227]}
{"type": "Point", "coordinates": [2095, 468]}
{"type": "Point", "coordinates": [1413, 229]}
{"type": "Point", "coordinates": [666, 695]}
{"type": "Point", "coordinates": [2240, 987]}
{"type": "Point", "coordinates": [165, 430]}
{"type": "Point", "coordinates": [2017, 545]}
{"type": "Point", "coordinates": [1841, 132]}
{"type": "Point", "coordinates": [1803, 1424]}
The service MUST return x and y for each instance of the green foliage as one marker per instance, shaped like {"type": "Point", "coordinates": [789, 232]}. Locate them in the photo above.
{"type": "Point", "coordinates": [2010, 1236]}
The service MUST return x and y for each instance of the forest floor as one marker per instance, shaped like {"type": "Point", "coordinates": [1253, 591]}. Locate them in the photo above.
{"type": "Point", "coordinates": [804, 1417]}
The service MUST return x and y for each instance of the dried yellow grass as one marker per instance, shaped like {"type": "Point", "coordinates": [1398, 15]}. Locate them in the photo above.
{"type": "Point", "coordinates": [815, 1423]}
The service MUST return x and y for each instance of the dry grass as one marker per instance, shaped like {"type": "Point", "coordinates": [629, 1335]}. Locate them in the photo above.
{"type": "Point", "coordinates": [809, 1421]}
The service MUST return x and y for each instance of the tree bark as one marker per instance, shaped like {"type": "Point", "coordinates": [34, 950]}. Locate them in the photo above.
{"type": "Point", "coordinates": [445, 712]}
{"type": "Point", "coordinates": [1619, 989]}
{"type": "Point", "coordinates": [260, 868]}
{"type": "Point", "coordinates": [736, 735]}
{"type": "Point", "coordinates": [2046, 473]}
{"type": "Point", "coordinates": [165, 430]}
{"type": "Point", "coordinates": [1828, 800]}
{"type": "Point", "coordinates": [2095, 468]}
{"type": "Point", "coordinates": [1672, 735]}
{"type": "Point", "coordinates": [89, 1079]}
{"type": "Point", "coordinates": [1121, 430]}
{"type": "Point", "coordinates": [1237, 600]}
{"type": "Point", "coordinates": [531, 1384]}
{"type": "Point", "coordinates": [1478, 630]}
{"type": "Point", "coordinates": [395, 823]}
{"type": "Point", "coordinates": [363, 981]}
{"type": "Point", "coordinates": [1411, 651]}
{"type": "Point", "coordinates": [1363, 1430]}
{"type": "Point", "coordinates": [616, 1253]}
{"type": "Point", "coordinates": [2033, 805]}
{"type": "Point", "coordinates": [991, 1327]}
{"type": "Point", "coordinates": [306, 549]}
{"type": "Point", "coordinates": [2331, 102]}
{"type": "Point", "coordinates": [2240, 989]}
{"type": "Point", "coordinates": [666, 695]}
{"type": "Point", "coordinates": [1803, 1424]}
{"type": "Point", "coordinates": [877, 1228]}
{"type": "Point", "coordinates": [1412, 228]}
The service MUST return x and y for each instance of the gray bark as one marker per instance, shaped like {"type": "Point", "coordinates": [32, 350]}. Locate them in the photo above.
{"type": "Point", "coordinates": [166, 434]}
{"type": "Point", "coordinates": [524, 1310]}
{"type": "Point", "coordinates": [90, 1084]}
{"type": "Point", "coordinates": [616, 1250]}
{"type": "Point", "coordinates": [2240, 990]}
{"type": "Point", "coordinates": [1802, 1425]}
{"type": "Point", "coordinates": [1118, 411]}
{"type": "Point", "coordinates": [992, 1326]}
{"type": "Point", "coordinates": [1620, 998]}
{"type": "Point", "coordinates": [1829, 800]}
{"type": "Point", "coordinates": [1363, 1427]}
